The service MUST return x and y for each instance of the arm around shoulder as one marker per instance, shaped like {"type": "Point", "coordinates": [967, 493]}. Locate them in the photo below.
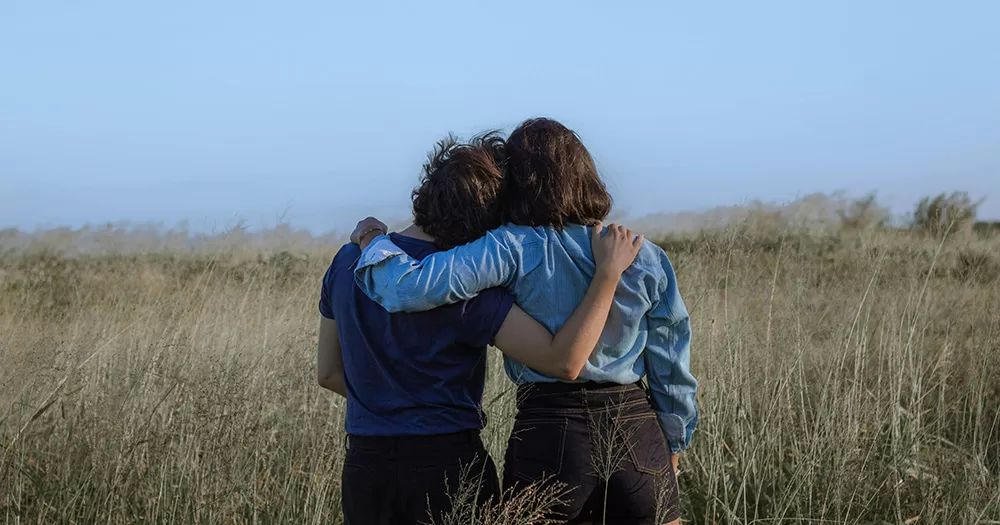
{"type": "Point", "coordinates": [400, 283]}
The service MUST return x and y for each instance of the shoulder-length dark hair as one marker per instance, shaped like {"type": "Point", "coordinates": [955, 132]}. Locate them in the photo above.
{"type": "Point", "coordinates": [550, 178]}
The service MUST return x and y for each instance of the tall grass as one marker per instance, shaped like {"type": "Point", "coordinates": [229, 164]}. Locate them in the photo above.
{"type": "Point", "coordinates": [848, 378]}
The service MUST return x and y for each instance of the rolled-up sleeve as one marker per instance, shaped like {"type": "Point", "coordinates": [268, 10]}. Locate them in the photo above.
{"type": "Point", "coordinates": [667, 359]}
{"type": "Point", "coordinates": [400, 283]}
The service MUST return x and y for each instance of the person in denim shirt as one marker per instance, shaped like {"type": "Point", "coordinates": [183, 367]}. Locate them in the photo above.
{"type": "Point", "coordinates": [553, 195]}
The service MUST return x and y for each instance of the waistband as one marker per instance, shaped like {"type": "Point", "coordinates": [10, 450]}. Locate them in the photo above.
{"type": "Point", "coordinates": [393, 443]}
{"type": "Point", "coordinates": [543, 389]}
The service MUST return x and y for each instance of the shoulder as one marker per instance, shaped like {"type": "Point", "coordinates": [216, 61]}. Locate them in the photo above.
{"type": "Point", "coordinates": [652, 255]}
{"type": "Point", "coordinates": [347, 251]}
{"type": "Point", "coordinates": [653, 263]}
{"type": "Point", "coordinates": [345, 258]}
{"type": "Point", "coordinates": [520, 235]}
{"type": "Point", "coordinates": [340, 268]}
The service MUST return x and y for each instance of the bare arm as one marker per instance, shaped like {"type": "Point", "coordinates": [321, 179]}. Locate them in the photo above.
{"type": "Point", "coordinates": [329, 358]}
{"type": "Point", "coordinates": [564, 355]}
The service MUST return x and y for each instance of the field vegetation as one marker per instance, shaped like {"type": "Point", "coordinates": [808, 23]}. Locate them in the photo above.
{"type": "Point", "coordinates": [848, 375]}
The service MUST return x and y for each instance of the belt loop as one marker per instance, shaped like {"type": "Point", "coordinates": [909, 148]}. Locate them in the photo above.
{"type": "Point", "coordinates": [644, 385]}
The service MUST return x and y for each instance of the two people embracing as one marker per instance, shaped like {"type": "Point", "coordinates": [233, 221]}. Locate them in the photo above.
{"type": "Point", "coordinates": [507, 248]}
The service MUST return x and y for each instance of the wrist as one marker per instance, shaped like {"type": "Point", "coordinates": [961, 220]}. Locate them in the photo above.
{"type": "Point", "coordinates": [368, 235]}
{"type": "Point", "coordinates": [607, 275]}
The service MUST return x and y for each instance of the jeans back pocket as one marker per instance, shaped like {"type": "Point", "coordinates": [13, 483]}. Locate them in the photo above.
{"type": "Point", "coordinates": [647, 448]}
{"type": "Point", "coordinates": [536, 447]}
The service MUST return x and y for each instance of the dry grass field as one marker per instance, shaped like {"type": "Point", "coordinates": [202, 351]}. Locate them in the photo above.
{"type": "Point", "coordinates": [845, 378]}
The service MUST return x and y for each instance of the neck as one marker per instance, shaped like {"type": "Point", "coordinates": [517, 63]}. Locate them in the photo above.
{"type": "Point", "coordinates": [416, 232]}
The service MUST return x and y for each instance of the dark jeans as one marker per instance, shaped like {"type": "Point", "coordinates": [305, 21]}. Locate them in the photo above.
{"type": "Point", "coordinates": [603, 441]}
{"type": "Point", "coordinates": [412, 479]}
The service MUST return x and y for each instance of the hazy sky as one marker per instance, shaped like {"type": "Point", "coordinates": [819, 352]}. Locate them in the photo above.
{"type": "Point", "coordinates": [323, 111]}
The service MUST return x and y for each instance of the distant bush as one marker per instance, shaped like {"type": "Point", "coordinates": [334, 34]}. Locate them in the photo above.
{"type": "Point", "coordinates": [945, 213]}
{"type": "Point", "coordinates": [864, 213]}
{"type": "Point", "coordinates": [987, 228]}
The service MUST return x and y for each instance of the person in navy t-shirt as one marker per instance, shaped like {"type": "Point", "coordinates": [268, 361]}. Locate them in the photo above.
{"type": "Point", "coordinates": [414, 381]}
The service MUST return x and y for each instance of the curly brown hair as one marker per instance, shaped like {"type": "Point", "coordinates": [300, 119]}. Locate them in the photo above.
{"type": "Point", "coordinates": [458, 199]}
{"type": "Point", "coordinates": [551, 179]}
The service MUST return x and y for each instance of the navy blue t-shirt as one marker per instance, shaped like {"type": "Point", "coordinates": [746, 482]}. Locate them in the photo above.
{"type": "Point", "coordinates": [411, 373]}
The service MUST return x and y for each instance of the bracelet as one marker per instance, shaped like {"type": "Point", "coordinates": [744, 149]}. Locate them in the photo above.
{"type": "Point", "coordinates": [369, 231]}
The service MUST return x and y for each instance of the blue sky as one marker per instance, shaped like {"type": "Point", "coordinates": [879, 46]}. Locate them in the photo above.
{"type": "Point", "coordinates": [322, 112]}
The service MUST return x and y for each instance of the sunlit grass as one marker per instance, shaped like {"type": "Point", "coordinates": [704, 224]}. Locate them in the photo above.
{"type": "Point", "coordinates": [849, 378]}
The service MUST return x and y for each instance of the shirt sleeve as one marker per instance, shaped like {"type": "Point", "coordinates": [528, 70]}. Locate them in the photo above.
{"type": "Point", "coordinates": [668, 363]}
{"type": "Point", "coordinates": [483, 316]}
{"type": "Point", "coordinates": [325, 306]}
{"type": "Point", "coordinates": [399, 283]}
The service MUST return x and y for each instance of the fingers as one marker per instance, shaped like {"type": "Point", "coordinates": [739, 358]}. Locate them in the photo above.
{"type": "Point", "coordinates": [619, 232]}
{"type": "Point", "coordinates": [595, 234]}
{"type": "Point", "coordinates": [367, 224]}
{"type": "Point", "coordinates": [618, 235]}
{"type": "Point", "coordinates": [637, 243]}
{"type": "Point", "coordinates": [625, 235]}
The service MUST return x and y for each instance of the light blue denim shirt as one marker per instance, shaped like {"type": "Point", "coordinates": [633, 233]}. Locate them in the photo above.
{"type": "Point", "coordinates": [648, 332]}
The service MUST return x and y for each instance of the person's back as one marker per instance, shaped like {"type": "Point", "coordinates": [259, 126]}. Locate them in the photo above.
{"type": "Point", "coordinates": [414, 385]}
{"type": "Point", "coordinates": [414, 382]}
{"type": "Point", "coordinates": [560, 260]}
{"type": "Point", "coordinates": [411, 373]}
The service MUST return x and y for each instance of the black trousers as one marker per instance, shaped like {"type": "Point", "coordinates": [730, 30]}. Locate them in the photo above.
{"type": "Point", "coordinates": [603, 441]}
{"type": "Point", "coordinates": [413, 479]}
